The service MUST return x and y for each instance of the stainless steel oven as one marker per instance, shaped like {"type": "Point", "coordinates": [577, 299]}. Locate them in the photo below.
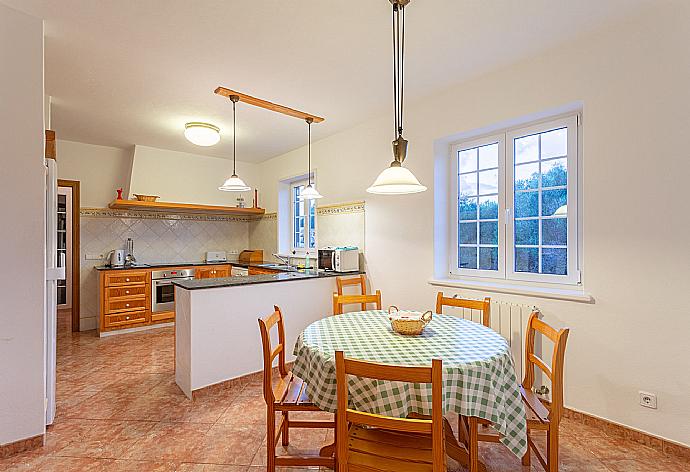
{"type": "Point", "coordinates": [162, 289]}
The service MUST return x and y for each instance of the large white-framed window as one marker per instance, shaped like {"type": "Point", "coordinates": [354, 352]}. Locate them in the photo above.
{"type": "Point", "coordinates": [515, 214]}
{"type": "Point", "coordinates": [302, 219]}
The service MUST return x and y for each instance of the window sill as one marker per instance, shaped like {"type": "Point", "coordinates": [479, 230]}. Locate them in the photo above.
{"type": "Point", "coordinates": [576, 295]}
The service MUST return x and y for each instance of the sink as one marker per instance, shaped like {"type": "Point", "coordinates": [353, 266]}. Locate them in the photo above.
{"type": "Point", "coordinates": [283, 267]}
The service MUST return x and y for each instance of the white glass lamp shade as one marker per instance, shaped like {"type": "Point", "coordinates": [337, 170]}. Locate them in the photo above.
{"type": "Point", "coordinates": [202, 134]}
{"type": "Point", "coordinates": [234, 184]}
{"type": "Point", "coordinates": [396, 180]}
{"type": "Point", "coordinates": [310, 193]}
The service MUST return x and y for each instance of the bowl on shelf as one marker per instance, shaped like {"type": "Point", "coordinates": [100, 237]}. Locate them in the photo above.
{"type": "Point", "coordinates": [146, 198]}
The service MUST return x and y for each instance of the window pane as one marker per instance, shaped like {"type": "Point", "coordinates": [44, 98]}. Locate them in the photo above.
{"type": "Point", "coordinates": [527, 259]}
{"type": "Point", "coordinates": [488, 208]}
{"type": "Point", "coordinates": [527, 149]}
{"type": "Point", "coordinates": [467, 258]}
{"type": "Point", "coordinates": [467, 208]}
{"type": "Point", "coordinates": [467, 160]}
{"type": "Point", "coordinates": [488, 182]}
{"type": "Point", "coordinates": [467, 233]}
{"type": "Point", "coordinates": [554, 232]}
{"type": "Point", "coordinates": [526, 232]}
{"type": "Point", "coordinates": [527, 176]}
{"type": "Point", "coordinates": [554, 143]}
{"type": "Point", "coordinates": [488, 232]}
{"type": "Point", "coordinates": [554, 261]}
{"type": "Point", "coordinates": [554, 173]}
{"type": "Point", "coordinates": [488, 156]}
{"type": "Point", "coordinates": [552, 200]}
{"type": "Point", "coordinates": [467, 184]}
{"type": "Point", "coordinates": [488, 258]}
{"type": "Point", "coordinates": [526, 204]}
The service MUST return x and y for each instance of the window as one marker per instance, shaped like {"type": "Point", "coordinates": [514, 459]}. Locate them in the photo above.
{"type": "Point", "coordinates": [303, 219]}
{"type": "Point", "coordinates": [516, 211]}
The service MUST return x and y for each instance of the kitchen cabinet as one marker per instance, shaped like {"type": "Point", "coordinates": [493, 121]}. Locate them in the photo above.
{"type": "Point", "coordinates": [125, 299]}
{"type": "Point", "coordinates": [261, 270]}
{"type": "Point", "coordinates": [211, 272]}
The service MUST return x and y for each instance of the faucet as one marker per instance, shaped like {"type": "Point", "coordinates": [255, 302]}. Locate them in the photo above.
{"type": "Point", "coordinates": [285, 260]}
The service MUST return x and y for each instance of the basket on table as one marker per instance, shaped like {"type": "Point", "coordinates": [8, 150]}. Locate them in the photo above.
{"type": "Point", "coordinates": [408, 323]}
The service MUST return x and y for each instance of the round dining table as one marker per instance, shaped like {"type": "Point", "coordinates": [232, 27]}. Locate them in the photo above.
{"type": "Point", "coordinates": [479, 374]}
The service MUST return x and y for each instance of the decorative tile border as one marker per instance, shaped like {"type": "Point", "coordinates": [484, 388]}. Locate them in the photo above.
{"type": "Point", "coordinates": [22, 445]}
{"type": "Point", "coordinates": [156, 215]}
{"type": "Point", "coordinates": [340, 208]}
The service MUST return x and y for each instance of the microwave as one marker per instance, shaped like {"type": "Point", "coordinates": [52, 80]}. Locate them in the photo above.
{"type": "Point", "coordinates": [339, 259]}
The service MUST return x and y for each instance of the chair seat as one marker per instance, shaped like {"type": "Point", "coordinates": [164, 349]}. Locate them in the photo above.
{"type": "Point", "coordinates": [537, 413]}
{"type": "Point", "coordinates": [291, 395]}
{"type": "Point", "coordinates": [378, 449]}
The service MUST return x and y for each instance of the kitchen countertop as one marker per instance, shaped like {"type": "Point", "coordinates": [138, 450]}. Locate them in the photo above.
{"type": "Point", "coordinates": [197, 284]}
{"type": "Point", "coordinates": [161, 265]}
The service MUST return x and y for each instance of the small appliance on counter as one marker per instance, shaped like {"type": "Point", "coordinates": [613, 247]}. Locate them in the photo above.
{"type": "Point", "coordinates": [129, 252]}
{"type": "Point", "coordinates": [117, 258]}
{"type": "Point", "coordinates": [216, 256]}
{"type": "Point", "coordinates": [339, 259]}
{"type": "Point", "coordinates": [251, 255]}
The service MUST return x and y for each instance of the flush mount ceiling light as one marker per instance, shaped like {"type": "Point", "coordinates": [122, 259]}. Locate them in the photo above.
{"type": "Point", "coordinates": [234, 183]}
{"type": "Point", "coordinates": [309, 192]}
{"type": "Point", "coordinates": [201, 134]}
{"type": "Point", "coordinates": [397, 180]}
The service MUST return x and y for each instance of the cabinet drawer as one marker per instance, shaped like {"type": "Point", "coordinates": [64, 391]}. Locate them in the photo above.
{"type": "Point", "coordinates": [127, 278]}
{"type": "Point", "coordinates": [126, 291]}
{"type": "Point", "coordinates": [126, 304]}
{"type": "Point", "coordinates": [125, 319]}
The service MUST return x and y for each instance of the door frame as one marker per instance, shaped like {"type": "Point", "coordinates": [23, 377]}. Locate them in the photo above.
{"type": "Point", "coordinates": [76, 259]}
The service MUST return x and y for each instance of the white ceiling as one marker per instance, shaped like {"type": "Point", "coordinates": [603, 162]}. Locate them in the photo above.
{"type": "Point", "coordinates": [133, 72]}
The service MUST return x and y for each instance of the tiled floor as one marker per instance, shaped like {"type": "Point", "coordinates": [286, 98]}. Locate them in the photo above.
{"type": "Point", "coordinates": [120, 410]}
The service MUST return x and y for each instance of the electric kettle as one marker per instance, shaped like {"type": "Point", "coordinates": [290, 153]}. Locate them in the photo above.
{"type": "Point", "coordinates": [117, 258]}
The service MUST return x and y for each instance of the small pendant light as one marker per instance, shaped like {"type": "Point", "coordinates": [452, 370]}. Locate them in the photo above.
{"type": "Point", "coordinates": [234, 183]}
{"type": "Point", "coordinates": [309, 192]}
{"type": "Point", "coordinates": [396, 179]}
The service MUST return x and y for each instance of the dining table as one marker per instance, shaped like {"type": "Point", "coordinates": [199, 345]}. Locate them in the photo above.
{"type": "Point", "coordinates": [479, 376]}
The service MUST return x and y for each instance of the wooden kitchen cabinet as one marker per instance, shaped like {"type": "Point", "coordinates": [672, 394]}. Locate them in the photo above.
{"type": "Point", "coordinates": [261, 270]}
{"type": "Point", "coordinates": [212, 272]}
{"type": "Point", "coordinates": [125, 299]}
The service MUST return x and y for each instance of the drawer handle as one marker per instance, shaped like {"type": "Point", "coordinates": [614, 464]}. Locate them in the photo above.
{"type": "Point", "coordinates": [127, 292]}
{"type": "Point", "coordinates": [127, 304]}
{"type": "Point", "coordinates": [126, 317]}
{"type": "Point", "coordinates": [126, 280]}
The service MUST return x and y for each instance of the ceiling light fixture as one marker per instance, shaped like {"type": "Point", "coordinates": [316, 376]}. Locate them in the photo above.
{"type": "Point", "coordinates": [234, 183]}
{"type": "Point", "coordinates": [201, 134]}
{"type": "Point", "coordinates": [309, 192]}
{"type": "Point", "coordinates": [397, 180]}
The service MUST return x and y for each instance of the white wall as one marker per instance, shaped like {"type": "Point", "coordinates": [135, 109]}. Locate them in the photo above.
{"type": "Point", "coordinates": [633, 80]}
{"type": "Point", "coordinates": [100, 169]}
{"type": "Point", "coordinates": [22, 184]}
{"type": "Point", "coordinates": [166, 173]}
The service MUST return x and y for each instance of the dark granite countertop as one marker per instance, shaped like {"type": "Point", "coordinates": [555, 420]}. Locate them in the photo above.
{"type": "Point", "coordinates": [181, 264]}
{"type": "Point", "coordinates": [197, 284]}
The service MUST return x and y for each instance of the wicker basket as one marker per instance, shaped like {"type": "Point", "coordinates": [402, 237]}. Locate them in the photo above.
{"type": "Point", "coordinates": [408, 323]}
{"type": "Point", "coordinates": [146, 198]}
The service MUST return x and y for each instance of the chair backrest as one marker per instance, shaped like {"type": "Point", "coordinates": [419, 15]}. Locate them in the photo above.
{"type": "Point", "coordinates": [370, 370]}
{"type": "Point", "coordinates": [340, 300]}
{"type": "Point", "coordinates": [483, 305]}
{"type": "Point", "coordinates": [270, 354]}
{"type": "Point", "coordinates": [357, 280]}
{"type": "Point", "coordinates": [555, 373]}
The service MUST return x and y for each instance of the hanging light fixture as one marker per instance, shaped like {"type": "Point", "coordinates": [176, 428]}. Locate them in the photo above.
{"type": "Point", "coordinates": [396, 179]}
{"type": "Point", "coordinates": [309, 192]}
{"type": "Point", "coordinates": [201, 134]}
{"type": "Point", "coordinates": [234, 183]}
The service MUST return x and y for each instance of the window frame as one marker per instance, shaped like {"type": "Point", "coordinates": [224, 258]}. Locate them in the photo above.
{"type": "Point", "coordinates": [506, 194]}
{"type": "Point", "coordinates": [302, 182]}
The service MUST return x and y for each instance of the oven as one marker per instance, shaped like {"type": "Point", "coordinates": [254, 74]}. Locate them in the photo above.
{"type": "Point", "coordinates": [162, 289]}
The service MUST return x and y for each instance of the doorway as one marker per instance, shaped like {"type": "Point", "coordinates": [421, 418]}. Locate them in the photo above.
{"type": "Point", "coordinates": [68, 253]}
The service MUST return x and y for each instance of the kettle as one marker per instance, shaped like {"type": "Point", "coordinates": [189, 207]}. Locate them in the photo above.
{"type": "Point", "coordinates": [117, 258]}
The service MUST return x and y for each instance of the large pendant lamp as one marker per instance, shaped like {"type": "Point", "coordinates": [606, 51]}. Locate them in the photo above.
{"type": "Point", "coordinates": [309, 192]}
{"type": "Point", "coordinates": [396, 179]}
{"type": "Point", "coordinates": [234, 183]}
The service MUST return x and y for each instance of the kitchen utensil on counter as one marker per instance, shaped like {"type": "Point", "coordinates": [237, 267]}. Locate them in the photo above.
{"type": "Point", "coordinates": [129, 252]}
{"type": "Point", "coordinates": [117, 258]}
{"type": "Point", "coordinates": [216, 256]}
{"type": "Point", "coordinates": [251, 255]}
{"type": "Point", "coordinates": [408, 323]}
{"type": "Point", "coordinates": [146, 198]}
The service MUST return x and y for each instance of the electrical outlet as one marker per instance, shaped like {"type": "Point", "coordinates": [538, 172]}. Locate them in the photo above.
{"type": "Point", "coordinates": [94, 257]}
{"type": "Point", "coordinates": [648, 400]}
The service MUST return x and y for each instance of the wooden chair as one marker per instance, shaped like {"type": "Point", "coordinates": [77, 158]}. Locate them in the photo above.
{"type": "Point", "coordinates": [369, 443]}
{"type": "Point", "coordinates": [483, 305]}
{"type": "Point", "coordinates": [289, 394]}
{"type": "Point", "coordinates": [360, 280]}
{"type": "Point", "coordinates": [539, 416]}
{"type": "Point", "coordinates": [340, 300]}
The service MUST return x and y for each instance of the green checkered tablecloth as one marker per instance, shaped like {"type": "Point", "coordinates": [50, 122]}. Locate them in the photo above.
{"type": "Point", "coordinates": [479, 375]}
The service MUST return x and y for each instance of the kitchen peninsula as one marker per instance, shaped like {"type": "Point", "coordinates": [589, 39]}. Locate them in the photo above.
{"type": "Point", "coordinates": [216, 331]}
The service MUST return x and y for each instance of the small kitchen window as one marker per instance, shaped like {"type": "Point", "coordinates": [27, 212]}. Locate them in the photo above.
{"type": "Point", "coordinates": [515, 211]}
{"type": "Point", "coordinates": [302, 219]}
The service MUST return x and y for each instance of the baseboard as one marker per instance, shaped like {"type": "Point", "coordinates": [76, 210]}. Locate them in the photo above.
{"type": "Point", "coordinates": [237, 382]}
{"type": "Point", "coordinates": [615, 429]}
{"type": "Point", "coordinates": [137, 329]}
{"type": "Point", "coordinates": [22, 445]}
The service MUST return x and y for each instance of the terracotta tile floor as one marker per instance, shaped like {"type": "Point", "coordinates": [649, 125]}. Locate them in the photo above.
{"type": "Point", "coordinates": [120, 410]}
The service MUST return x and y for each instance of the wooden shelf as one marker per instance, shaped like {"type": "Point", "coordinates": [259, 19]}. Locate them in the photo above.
{"type": "Point", "coordinates": [183, 208]}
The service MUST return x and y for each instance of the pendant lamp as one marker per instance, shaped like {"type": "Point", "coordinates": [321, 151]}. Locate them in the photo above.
{"type": "Point", "coordinates": [396, 179]}
{"type": "Point", "coordinates": [309, 192]}
{"type": "Point", "coordinates": [234, 183]}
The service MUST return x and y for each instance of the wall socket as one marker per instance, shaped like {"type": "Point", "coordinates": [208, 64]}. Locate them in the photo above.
{"type": "Point", "coordinates": [648, 400]}
{"type": "Point", "coordinates": [93, 257]}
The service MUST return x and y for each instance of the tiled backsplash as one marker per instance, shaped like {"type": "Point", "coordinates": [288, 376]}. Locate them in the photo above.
{"type": "Point", "coordinates": [155, 240]}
